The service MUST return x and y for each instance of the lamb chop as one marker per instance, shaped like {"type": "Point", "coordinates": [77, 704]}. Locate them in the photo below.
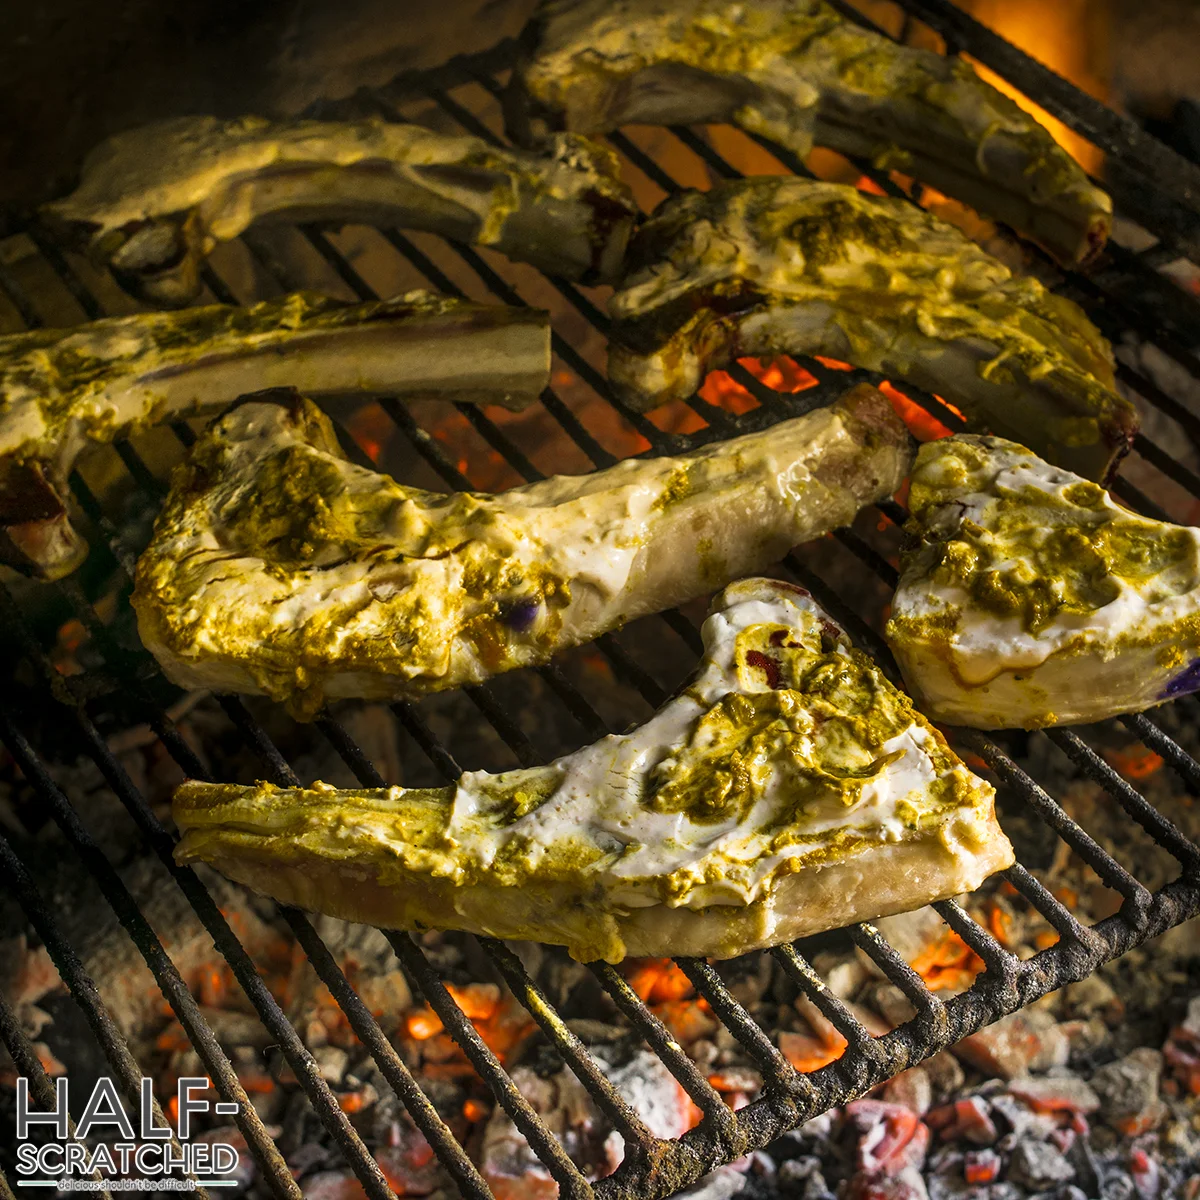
{"type": "Point", "coordinates": [1028, 598]}
{"type": "Point", "coordinates": [787, 790]}
{"type": "Point", "coordinates": [774, 265]}
{"type": "Point", "coordinates": [798, 73]}
{"type": "Point", "coordinates": [279, 568]}
{"type": "Point", "coordinates": [153, 202]}
{"type": "Point", "coordinates": [61, 389]}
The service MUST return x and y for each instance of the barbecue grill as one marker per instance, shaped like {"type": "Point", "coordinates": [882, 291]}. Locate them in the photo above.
{"type": "Point", "coordinates": [1126, 292]}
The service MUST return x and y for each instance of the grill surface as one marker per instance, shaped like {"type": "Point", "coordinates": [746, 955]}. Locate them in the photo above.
{"type": "Point", "coordinates": [1125, 292]}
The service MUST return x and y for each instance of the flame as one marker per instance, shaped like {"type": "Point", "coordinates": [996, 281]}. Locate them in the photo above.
{"type": "Point", "coordinates": [1069, 37]}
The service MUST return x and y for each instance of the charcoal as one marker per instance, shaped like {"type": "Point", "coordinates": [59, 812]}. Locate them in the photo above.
{"type": "Point", "coordinates": [1128, 1090]}
{"type": "Point", "coordinates": [1038, 1165]}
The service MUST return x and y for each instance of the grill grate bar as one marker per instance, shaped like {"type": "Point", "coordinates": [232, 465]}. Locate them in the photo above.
{"type": "Point", "coordinates": [881, 952]}
{"type": "Point", "coordinates": [775, 1068]}
{"type": "Point", "coordinates": [1054, 815]}
{"type": "Point", "coordinates": [801, 972]}
{"type": "Point", "coordinates": [1164, 832]}
{"type": "Point", "coordinates": [1160, 743]}
{"type": "Point", "coordinates": [27, 1063]}
{"type": "Point", "coordinates": [625, 1120]}
{"type": "Point", "coordinates": [349, 752]}
{"type": "Point", "coordinates": [80, 984]}
{"type": "Point", "coordinates": [166, 975]}
{"type": "Point", "coordinates": [566, 1174]}
{"type": "Point", "coordinates": [717, 1114]}
{"type": "Point", "coordinates": [426, 1118]}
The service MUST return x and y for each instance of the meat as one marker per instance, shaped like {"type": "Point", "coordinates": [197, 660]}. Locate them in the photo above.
{"type": "Point", "coordinates": [772, 266]}
{"type": "Point", "coordinates": [796, 72]}
{"type": "Point", "coordinates": [153, 202]}
{"type": "Point", "coordinates": [61, 389]}
{"type": "Point", "coordinates": [788, 790]}
{"type": "Point", "coordinates": [1028, 598]}
{"type": "Point", "coordinates": [278, 567]}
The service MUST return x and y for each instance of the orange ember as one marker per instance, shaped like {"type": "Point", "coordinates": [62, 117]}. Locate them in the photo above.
{"type": "Point", "coordinates": [656, 980]}
{"type": "Point", "coordinates": [500, 1022]}
{"type": "Point", "coordinates": [810, 1052]}
{"type": "Point", "coordinates": [948, 964]}
{"type": "Point", "coordinates": [924, 426]}
{"type": "Point", "coordinates": [474, 1110]}
{"type": "Point", "coordinates": [779, 374]}
{"type": "Point", "coordinates": [371, 428]}
{"type": "Point", "coordinates": [1134, 762]}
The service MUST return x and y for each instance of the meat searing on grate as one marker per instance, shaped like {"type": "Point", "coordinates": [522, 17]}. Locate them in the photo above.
{"type": "Point", "coordinates": [798, 73]}
{"type": "Point", "coordinates": [775, 265]}
{"type": "Point", "coordinates": [278, 567]}
{"type": "Point", "coordinates": [62, 390]}
{"type": "Point", "coordinates": [1029, 598]}
{"type": "Point", "coordinates": [153, 202]}
{"type": "Point", "coordinates": [787, 790]}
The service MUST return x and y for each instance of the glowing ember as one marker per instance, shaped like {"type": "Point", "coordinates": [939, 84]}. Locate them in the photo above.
{"type": "Point", "coordinates": [921, 424]}
{"type": "Point", "coordinates": [498, 1020]}
{"type": "Point", "coordinates": [779, 374]}
{"type": "Point", "coordinates": [656, 980]}
{"type": "Point", "coordinates": [810, 1052]}
{"type": "Point", "coordinates": [949, 964]}
{"type": "Point", "coordinates": [1134, 762]}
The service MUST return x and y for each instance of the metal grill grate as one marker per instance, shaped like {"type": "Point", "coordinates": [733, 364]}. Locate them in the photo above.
{"type": "Point", "coordinates": [1162, 313]}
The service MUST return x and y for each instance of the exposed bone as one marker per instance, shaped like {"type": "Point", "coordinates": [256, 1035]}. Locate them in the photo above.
{"type": "Point", "coordinates": [154, 201]}
{"type": "Point", "coordinates": [61, 389]}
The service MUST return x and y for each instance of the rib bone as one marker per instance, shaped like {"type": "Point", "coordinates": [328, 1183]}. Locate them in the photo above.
{"type": "Point", "coordinates": [788, 790]}
{"type": "Point", "coordinates": [154, 201]}
{"type": "Point", "coordinates": [796, 72]}
{"type": "Point", "coordinates": [61, 389]}
{"type": "Point", "coordinates": [789, 266]}
{"type": "Point", "coordinates": [278, 567]}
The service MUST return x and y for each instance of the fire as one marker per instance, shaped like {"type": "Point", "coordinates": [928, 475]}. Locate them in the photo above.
{"type": "Point", "coordinates": [780, 374]}
{"type": "Point", "coordinates": [1070, 38]}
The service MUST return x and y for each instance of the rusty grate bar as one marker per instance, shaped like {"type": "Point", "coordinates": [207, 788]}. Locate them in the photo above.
{"type": "Point", "coordinates": [788, 1096]}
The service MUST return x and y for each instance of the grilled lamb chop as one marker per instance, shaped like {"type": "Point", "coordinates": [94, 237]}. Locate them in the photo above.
{"type": "Point", "coordinates": [798, 73]}
{"type": "Point", "coordinates": [61, 389]}
{"type": "Point", "coordinates": [278, 567]}
{"type": "Point", "coordinates": [789, 266]}
{"type": "Point", "coordinates": [153, 202]}
{"type": "Point", "coordinates": [1028, 598]}
{"type": "Point", "coordinates": [788, 790]}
